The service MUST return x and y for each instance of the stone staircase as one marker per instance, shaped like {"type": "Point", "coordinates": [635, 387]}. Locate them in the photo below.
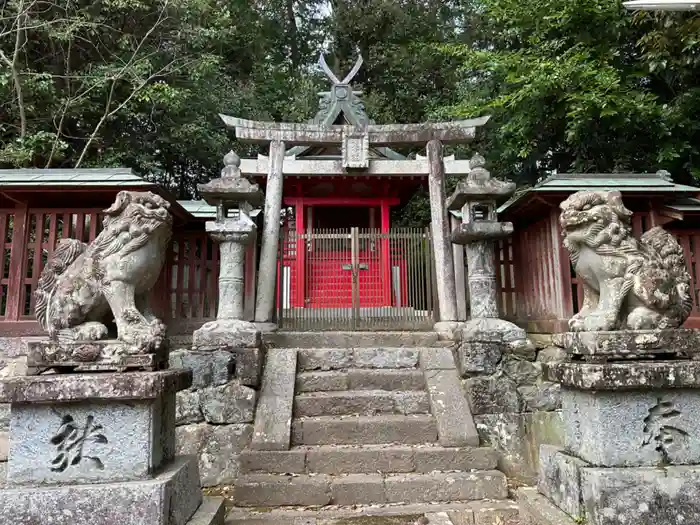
{"type": "Point", "coordinates": [364, 426]}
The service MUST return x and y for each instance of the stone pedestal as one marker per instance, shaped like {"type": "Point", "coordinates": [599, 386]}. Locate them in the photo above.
{"type": "Point", "coordinates": [99, 449]}
{"type": "Point", "coordinates": [631, 413]}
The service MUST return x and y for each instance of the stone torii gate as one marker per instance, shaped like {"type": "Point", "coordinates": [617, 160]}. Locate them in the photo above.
{"type": "Point", "coordinates": [354, 139]}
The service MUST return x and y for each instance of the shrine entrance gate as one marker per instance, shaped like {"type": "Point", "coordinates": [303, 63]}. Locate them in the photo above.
{"type": "Point", "coordinates": [356, 279]}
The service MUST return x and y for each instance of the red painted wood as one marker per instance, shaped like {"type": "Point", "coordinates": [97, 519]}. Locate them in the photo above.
{"type": "Point", "coordinates": [299, 285]}
{"type": "Point", "coordinates": [341, 201]}
{"type": "Point", "coordinates": [18, 256]}
{"type": "Point", "coordinates": [385, 255]}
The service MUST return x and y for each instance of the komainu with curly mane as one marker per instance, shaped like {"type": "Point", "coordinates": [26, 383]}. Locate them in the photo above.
{"type": "Point", "coordinates": [82, 286]}
{"type": "Point", "coordinates": [627, 283]}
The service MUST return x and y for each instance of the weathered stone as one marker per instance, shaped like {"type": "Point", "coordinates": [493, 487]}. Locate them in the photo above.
{"type": "Point", "coordinates": [540, 341]}
{"type": "Point", "coordinates": [626, 376]}
{"type": "Point", "coordinates": [187, 408]}
{"type": "Point", "coordinates": [231, 403]}
{"type": "Point", "coordinates": [274, 412]}
{"type": "Point", "coordinates": [624, 343]}
{"type": "Point", "coordinates": [355, 339]}
{"type": "Point", "coordinates": [318, 381]}
{"type": "Point", "coordinates": [123, 441]}
{"type": "Point", "coordinates": [449, 406]}
{"type": "Point", "coordinates": [212, 511]}
{"type": "Point", "coordinates": [4, 445]}
{"type": "Point", "coordinates": [490, 395]}
{"type": "Point", "coordinates": [80, 284]}
{"type": "Point", "coordinates": [208, 368]}
{"type": "Point", "coordinates": [386, 379]}
{"type": "Point", "coordinates": [411, 403]}
{"type": "Point", "coordinates": [636, 284]}
{"type": "Point", "coordinates": [641, 496]}
{"type": "Point", "coordinates": [364, 402]}
{"type": "Point", "coordinates": [217, 448]}
{"type": "Point", "coordinates": [518, 437]}
{"type": "Point", "coordinates": [171, 498]}
{"type": "Point", "coordinates": [368, 459]}
{"type": "Point", "coordinates": [535, 509]}
{"type": "Point", "coordinates": [542, 396]}
{"type": "Point", "coordinates": [226, 334]}
{"type": "Point", "coordinates": [495, 513]}
{"type": "Point", "coordinates": [429, 459]}
{"type": "Point", "coordinates": [385, 358]}
{"type": "Point", "coordinates": [4, 416]}
{"type": "Point", "coordinates": [324, 359]}
{"type": "Point", "coordinates": [458, 486]}
{"type": "Point", "coordinates": [520, 371]}
{"type": "Point", "coordinates": [437, 359]}
{"type": "Point", "coordinates": [248, 364]}
{"type": "Point", "coordinates": [79, 387]}
{"type": "Point", "coordinates": [360, 430]}
{"type": "Point", "coordinates": [270, 490]}
{"type": "Point", "coordinates": [560, 479]}
{"type": "Point", "coordinates": [353, 489]}
{"type": "Point", "coordinates": [274, 461]}
{"type": "Point", "coordinates": [636, 428]}
{"type": "Point", "coordinates": [477, 357]}
{"type": "Point", "coordinates": [552, 354]}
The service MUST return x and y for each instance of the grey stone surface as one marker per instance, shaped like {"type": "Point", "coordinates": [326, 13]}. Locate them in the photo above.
{"type": "Point", "coordinates": [356, 489]}
{"type": "Point", "coordinates": [535, 509]}
{"type": "Point", "coordinates": [641, 496]}
{"type": "Point", "coordinates": [360, 430]}
{"type": "Point", "coordinates": [630, 342]}
{"type": "Point", "coordinates": [493, 394]}
{"type": "Point", "coordinates": [171, 498]}
{"type": "Point", "coordinates": [381, 339]}
{"type": "Point", "coordinates": [477, 357]}
{"type": "Point", "coordinates": [4, 445]}
{"type": "Point", "coordinates": [320, 381]}
{"type": "Point", "coordinates": [226, 334]}
{"type": "Point", "coordinates": [212, 511]}
{"type": "Point", "coordinates": [386, 379]}
{"type": "Point", "coordinates": [625, 429]}
{"type": "Point", "coordinates": [458, 486]}
{"type": "Point", "coordinates": [522, 372]}
{"type": "Point", "coordinates": [274, 461]}
{"type": "Point", "coordinates": [412, 403]}
{"type": "Point", "coordinates": [95, 441]}
{"type": "Point", "coordinates": [208, 368]}
{"type": "Point", "coordinates": [367, 459]}
{"type": "Point", "coordinates": [518, 437]}
{"type": "Point", "coordinates": [385, 358]}
{"type": "Point", "coordinates": [454, 418]}
{"type": "Point", "coordinates": [542, 396]}
{"type": "Point", "coordinates": [4, 416]}
{"type": "Point", "coordinates": [437, 359]}
{"type": "Point", "coordinates": [79, 387]}
{"type": "Point", "coordinates": [81, 284]}
{"type": "Point", "coordinates": [267, 490]}
{"type": "Point", "coordinates": [273, 415]}
{"type": "Point", "coordinates": [360, 402]}
{"type": "Point", "coordinates": [217, 449]}
{"type": "Point", "coordinates": [626, 376]}
{"type": "Point", "coordinates": [636, 284]}
{"type": "Point", "coordinates": [552, 354]}
{"type": "Point", "coordinates": [188, 409]}
{"type": "Point", "coordinates": [560, 479]}
{"type": "Point", "coordinates": [325, 359]}
{"type": "Point", "coordinates": [428, 459]}
{"type": "Point", "coordinates": [231, 403]}
{"type": "Point", "coordinates": [248, 364]}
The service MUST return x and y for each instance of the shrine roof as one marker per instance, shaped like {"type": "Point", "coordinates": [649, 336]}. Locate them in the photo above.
{"type": "Point", "coordinates": [632, 183]}
{"type": "Point", "coordinates": [72, 177]}
{"type": "Point", "coordinates": [199, 209]}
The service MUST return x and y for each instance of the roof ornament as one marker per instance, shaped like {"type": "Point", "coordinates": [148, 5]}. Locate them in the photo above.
{"type": "Point", "coordinates": [333, 78]}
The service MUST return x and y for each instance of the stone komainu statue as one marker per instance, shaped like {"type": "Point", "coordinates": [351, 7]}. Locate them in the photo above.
{"type": "Point", "coordinates": [627, 283]}
{"type": "Point", "coordinates": [82, 284]}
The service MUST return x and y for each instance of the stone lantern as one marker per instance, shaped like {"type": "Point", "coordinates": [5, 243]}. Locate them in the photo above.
{"type": "Point", "coordinates": [234, 197]}
{"type": "Point", "coordinates": [485, 337]}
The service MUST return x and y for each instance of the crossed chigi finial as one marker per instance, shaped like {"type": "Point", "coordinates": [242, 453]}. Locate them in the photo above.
{"type": "Point", "coordinates": [331, 75]}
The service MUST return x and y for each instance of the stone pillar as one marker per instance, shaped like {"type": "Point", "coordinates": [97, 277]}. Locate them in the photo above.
{"type": "Point", "coordinates": [460, 278]}
{"type": "Point", "coordinates": [267, 273]}
{"type": "Point", "coordinates": [444, 267]}
{"type": "Point", "coordinates": [481, 261]}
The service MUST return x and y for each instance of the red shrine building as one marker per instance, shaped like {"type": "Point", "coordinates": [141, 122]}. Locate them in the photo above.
{"type": "Point", "coordinates": [340, 261]}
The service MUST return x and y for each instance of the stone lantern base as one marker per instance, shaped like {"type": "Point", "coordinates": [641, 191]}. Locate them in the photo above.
{"type": "Point", "coordinates": [631, 415]}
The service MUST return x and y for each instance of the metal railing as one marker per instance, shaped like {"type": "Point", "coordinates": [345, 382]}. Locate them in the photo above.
{"type": "Point", "coordinates": [356, 279]}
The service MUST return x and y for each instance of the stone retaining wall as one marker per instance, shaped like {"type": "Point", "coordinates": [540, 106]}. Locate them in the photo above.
{"type": "Point", "coordinates": [515, 409]}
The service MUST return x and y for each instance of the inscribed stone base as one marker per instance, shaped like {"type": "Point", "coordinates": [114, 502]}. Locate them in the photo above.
{"type": "Point", "coordinates": [633, 428]}
{"type": "Point", "coordinates": [171, 498]}
{"type": "Point", "coordinates": [103, 355]}
{"type": "Point", "coordinates": [82, 428]}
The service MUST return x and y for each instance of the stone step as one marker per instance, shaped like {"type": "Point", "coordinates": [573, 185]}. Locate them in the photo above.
{"type": "Point", "coordinates": [491, 512]}
{"type": "Point", "coordinates": [364, 430]}
{"type": "Point", "coordinates": [273, 490]}
{"type": "Point", "coordinates": [360, 402]}
{"type": "Point", "coordinates": [365, 358]}
{"type": "Point", "coordinates": [368, 459]}
{"type": "Point", "coordinates": [291, 339]}
{"type": "Point", "coordinates": [360, 379]}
